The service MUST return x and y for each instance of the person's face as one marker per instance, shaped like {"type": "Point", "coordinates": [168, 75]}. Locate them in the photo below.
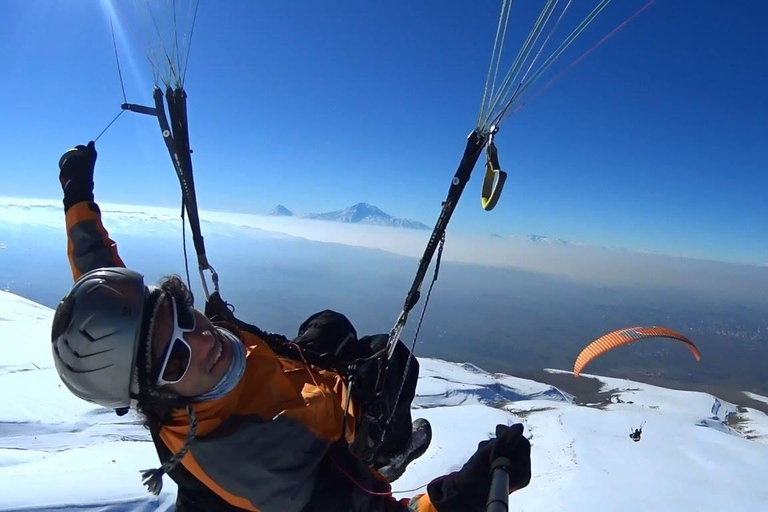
{"type": "Point", "coordinates": [198, 367]}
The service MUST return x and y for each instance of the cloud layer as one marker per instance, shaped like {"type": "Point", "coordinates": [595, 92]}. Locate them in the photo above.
{"type": "Point", "coordinates": [600, 266]}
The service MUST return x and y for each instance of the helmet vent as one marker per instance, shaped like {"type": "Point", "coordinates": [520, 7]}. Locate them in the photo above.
{"type": "Point", "coordinates": [63, 317]}
{"type": "Point", "coordinates": [87, 335]}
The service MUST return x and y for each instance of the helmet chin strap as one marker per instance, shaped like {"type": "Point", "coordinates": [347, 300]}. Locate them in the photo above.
{"type": "Point", "coordinates": [154, 301]}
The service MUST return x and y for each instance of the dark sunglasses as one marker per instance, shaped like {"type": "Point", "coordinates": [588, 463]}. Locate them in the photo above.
{"type": "Point", "coordinates": [178, 354]}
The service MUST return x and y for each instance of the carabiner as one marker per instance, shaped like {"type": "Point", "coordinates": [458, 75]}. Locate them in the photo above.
{"type": "Point", "coordinates": [214, 278]}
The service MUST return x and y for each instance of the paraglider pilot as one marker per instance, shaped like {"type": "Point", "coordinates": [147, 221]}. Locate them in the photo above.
{"type": "Point", "coordinates": [243, 419]}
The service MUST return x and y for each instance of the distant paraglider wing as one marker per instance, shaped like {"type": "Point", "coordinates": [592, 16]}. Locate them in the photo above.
{"type": "Point", "coordinates": [623, 337]}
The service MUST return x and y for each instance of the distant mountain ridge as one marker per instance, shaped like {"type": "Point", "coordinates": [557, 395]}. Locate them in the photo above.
{"type": "Point", "coordinates": [547, 240]}
{"type": "Point", "coordinates": [537, 239]}
{"type": "Point", "coordinates": [360, 213]}
{"type": "Point", "coordinates": [364, 213]}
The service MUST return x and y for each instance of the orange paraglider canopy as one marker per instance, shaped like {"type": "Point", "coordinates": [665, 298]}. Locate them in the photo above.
{"type": "Point", "coordinates": [623, 337]}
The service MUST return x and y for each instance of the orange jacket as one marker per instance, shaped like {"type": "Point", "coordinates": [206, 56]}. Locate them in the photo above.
{"type": "Point", "coordinates": [272, 443]}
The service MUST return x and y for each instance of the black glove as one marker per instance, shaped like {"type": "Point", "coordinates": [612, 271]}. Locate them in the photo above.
{"type": "Point", "coordinates": [76, 174]}
{"type": "Point", "coordinates": [467, 490]}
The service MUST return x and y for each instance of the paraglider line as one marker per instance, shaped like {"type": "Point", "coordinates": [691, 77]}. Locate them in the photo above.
{"type": "Point", "coordinates": [524, 53]}
{"type": "Point", "coordinates": [117, 59]}
{"type": "Point", "coordinates": [169, 58]}
{"type": "Point", "coordinates": [306, 365]}
{"type": "Point", "coordinates": [352, 479]}
{"type": "Point", "coordinates": [585, 54]}
{"type": "Point", "coordinates": [184, 241]}
{"type": "Point", "coordinates": [189, 45]}
{"type": "Point", "coordinates": [410, 490]}
{"type": "Point", "coordinates": [522, 56]}
{"type": "Point", "coordinates": [497, 43]}
{"type": "Point", "coordinates": [418, 329]}
{"type": "Point", "coordinates": [536, 58]}
{"type": "Point", "coordinates": [110, 124]}
{"type": "Point", "coordinates": [551, 59]}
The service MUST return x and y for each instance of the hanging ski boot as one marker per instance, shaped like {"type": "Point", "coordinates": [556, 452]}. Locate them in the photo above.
{"type": "Point", "coordinates": [421, 436]}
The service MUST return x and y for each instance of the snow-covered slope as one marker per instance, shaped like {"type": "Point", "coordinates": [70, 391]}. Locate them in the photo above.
{"type": "Point", "coordinates": [57, 452]}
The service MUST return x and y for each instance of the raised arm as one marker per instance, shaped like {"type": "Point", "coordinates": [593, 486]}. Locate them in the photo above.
{"type": "Point", "coordinates": [88, 244]}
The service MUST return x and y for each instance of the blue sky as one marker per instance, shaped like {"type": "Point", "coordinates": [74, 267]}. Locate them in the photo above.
{"type": "Point", "coordinates": [653, 142]}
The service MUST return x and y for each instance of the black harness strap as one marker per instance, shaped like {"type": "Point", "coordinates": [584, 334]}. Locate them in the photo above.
{"type": "Point", "coordinates": [475, 144]}
{"type": "Point", "coordinates": [474, 148]}
{"type": "Point", "coordinates": [176, 136]}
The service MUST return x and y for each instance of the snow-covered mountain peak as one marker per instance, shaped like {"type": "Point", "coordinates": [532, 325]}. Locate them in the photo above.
{"type": "Point", "coordinates": [280, 211]}
{"type": "Point", "coordinates": [364, 213]}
